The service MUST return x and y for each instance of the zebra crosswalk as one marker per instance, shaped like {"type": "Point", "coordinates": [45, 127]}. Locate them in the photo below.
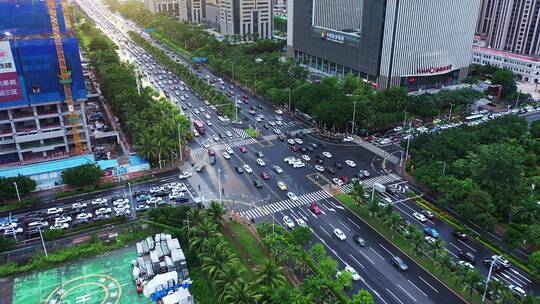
{"type": "Point", "coordinates": [275, 207]}
{"type": "Point", "coordinates": [368, 183]}
{"type": "Point", "coordinates": [241, 133]}
{"type": "Point", "coordinates": [371, 147]}
{"type": "Point", "coordinates": [270, 137]}
{"type": "Point", "coordinates": [225, 146]}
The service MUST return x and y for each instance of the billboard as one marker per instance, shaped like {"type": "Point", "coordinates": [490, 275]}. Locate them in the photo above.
{"type": "Point", "coordinates": [10, 90]}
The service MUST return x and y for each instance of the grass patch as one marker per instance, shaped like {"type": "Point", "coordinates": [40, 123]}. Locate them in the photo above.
{"type": "Point", "coordinates": [249, 275]}
{"type": "Point", "coordinates": [88, 189]}
{"type": "Point", "coordinates": [201, 288]}
{"type": "Point", "coordinates": [16, 204]}
{"type": "Point", "coordinates": [399, 241]}
{"type": "Point", "coordinates": [251, 132]}
{"type": "Point", "coordinates": [250, 244]}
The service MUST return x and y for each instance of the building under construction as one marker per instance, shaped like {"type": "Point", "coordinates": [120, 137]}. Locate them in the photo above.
{"type": "Point", "coordinates": [42, 89]}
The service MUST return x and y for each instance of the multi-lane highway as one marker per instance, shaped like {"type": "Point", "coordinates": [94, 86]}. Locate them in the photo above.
{"type": "Point", "coordinates": [255, 192]}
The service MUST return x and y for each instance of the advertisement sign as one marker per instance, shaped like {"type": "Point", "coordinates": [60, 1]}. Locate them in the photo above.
{"type": "Point", "coordinates": [10, 89]}
{"type": "Point", "coordinates": [334, 37]}
{"type": "Point", "coordinates": [434, 70]}
{"type": "Point", "coordinates": [199, 59]}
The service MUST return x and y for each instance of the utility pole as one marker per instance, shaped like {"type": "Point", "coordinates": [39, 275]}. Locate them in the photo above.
{"type": "Point", "coordinates": [404, 119]}
{"type": "Point", "coordinates": [517, 99]}
{"type": "Point", "coordinates": [289, 99]}
{"type": "Point", "coordinates": [17, 190]}
{"type": "Point", "coordinates": [180, 144]}
{"type": "Point", "coordinates": [353, 119]}
{"type": "Point", "coordinates": [488, 278]}
{"type": "Point", "coordinates": [133, 211]}
{"type": "Point", "coordinates": [43, 242]}
{"type": "Point", "coordinates": [408, 142]}
{"type": "Point", "coordinates": [219, 183]}
{"type": "Point", "coordinates": [13, 228]}
{"type": "Point", "coordinates": [450, 114]}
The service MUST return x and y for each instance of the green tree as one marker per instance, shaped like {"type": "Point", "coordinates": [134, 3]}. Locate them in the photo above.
{"type": "Point", "coordinates": [535, 128]}
{"type": "Point", "coordinates": [216, 212]}
{"type": "Point", "coordinates": [83, 175]}
{"type": "Point", "coordinates": [6, 243]}
{"type": "Point", "coordinates": [505, 78]}
{"type": "Point", "coordinates": [534, 260]}
{"type": "Point", "coordinates": [25, 185]}
{"type": "Point", "coordinates": [269, 274]}
{"type": "Point", "coordinates": [357, 193]}
{"type": "Point", "coordinates": [362, 297]}
{"type": "Point", "coordinates": [241, 293]}
{"type": "Point", "coordinates": [512, 238]}
{"type": "Point", "coordinates": [301, 236]}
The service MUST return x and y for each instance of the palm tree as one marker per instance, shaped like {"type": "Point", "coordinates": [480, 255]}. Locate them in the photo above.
{"type": "Point", "coordinates": [216, 212]}
{"type": "Point", "coordinates": [270, 274]}
{"type": "Point", "coordinates": [357, 192]}
{"type": "Point", "coordinates": [145, 144]}
{"type": "Point", "coordinates": [373, 207]}
{"type": "Point", "coordinates": [507, 296]}
{"type": "Point", "coordinates": [201, 232]}
{"type": "Point", "coordinates": [472, 278]}
{"type": "Point", "coordinates": [241, 293]}
{"type": "Point", "coordinates": [230, 273]}
{"type": "Point", "coordinates": [416, 238]}
{"type": "Point", "coordinates": [393, 221]}
{"type": "Point", "coordinates": [436, 247]}
{"type": "Point", "coordinates": [214, 263]}
{"type": "Point", "coordinates": [444, 260]}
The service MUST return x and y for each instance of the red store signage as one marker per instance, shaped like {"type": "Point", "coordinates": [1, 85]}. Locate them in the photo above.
{"type": "Point", "coordinates": [434, 70]}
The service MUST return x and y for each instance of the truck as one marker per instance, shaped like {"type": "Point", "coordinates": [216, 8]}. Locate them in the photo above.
{"type": "Point", "coordinates": [379, 187]}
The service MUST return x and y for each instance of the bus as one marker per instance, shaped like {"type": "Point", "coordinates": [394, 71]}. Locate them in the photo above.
{"type": "Point", "coordinates": [199, 126]}
{"type": "Point", "coordinates": [474, 118]}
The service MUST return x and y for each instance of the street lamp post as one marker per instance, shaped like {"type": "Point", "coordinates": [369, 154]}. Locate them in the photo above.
{"type": "Point", "coordinates": [450, 114]}
{"type": "Point", "coordinates": [219, 184]}
{"type": "Point", "coordinates": [408, 141]}
{"type": "Point", "coordinates": [488, 278]}
{"type": "Point", "coordinates": [17, 190]}
{"type": "Point", "coordinates": [289, 99]}
{"type": "Point", "coordinates": [354, 119]}
{"type": "Point", "coordinates": [180, 144]}
{"type": "Point", "coordinates": [43, 242]}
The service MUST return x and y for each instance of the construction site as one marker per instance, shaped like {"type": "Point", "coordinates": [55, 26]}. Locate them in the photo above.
{"type": "Point", "coordinates": [52, 115]}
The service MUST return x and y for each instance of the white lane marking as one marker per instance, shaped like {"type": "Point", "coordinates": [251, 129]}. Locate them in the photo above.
{"type": "Point", "coordinates": [428, 284]}
{"type": "Point", "coordinates": [514, 282]}
{"type": "Point", "coordinates": [377, 253]}
{"type": "Point", "coordinates": [451, 253]}
{"type": "Point", "coordinates": [344, 225]}
{"type": "Point", "coordinates": [353, 223]}
{"type": "Point", "coordinates": [418, 288]}
{"type": "Point", "coordinates": [455, 246]}
{"type": "Point", "coordinates": [406, 292]}
{"type": "Point", "coordinates": [521, 275]}
{"type": "Point", "coordinates": [390, 253]}
{"type": "Point", "coordinates": [362, 253]}
{"type": "Point", "coordinates": [325, 231]}
{"type": "Point", "coordinates": [352, 257]}
{"type": "Point", "coordinates": [394, 296]}
{"type": "Point", "coordinates": [463, 243]}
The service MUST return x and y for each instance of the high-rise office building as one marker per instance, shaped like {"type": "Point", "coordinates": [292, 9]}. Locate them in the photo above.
{"type": "Point", "coordinates": [417, 44]}
{"type": "Point", "coordinates": [35, 122]}
{"type": "Point", "coordinates": [246, 17]}
{"type": "Point", "coordinates": [510, 25]}
{"type": "Point", "coordinates": [175, 8]}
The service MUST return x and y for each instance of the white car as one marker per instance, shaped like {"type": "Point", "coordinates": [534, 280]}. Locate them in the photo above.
{"type": "Point", "coordinates": [355, 276]}
{"type": "Point", "coordinates": [465, 264]}
{"type": "Point", "coordinates": [279, 112]}
{"type": "Point", "coordinates": [319, 168]}
{"type": "Point", "coordinates": [184, 175]}
{"type": "Point", "coordinates": [279, 123]}
{"type": "Point", "coordinates": [229, 150]}
{"type": "Point", "coordinates": [207, 116]}
{"type": "Point", "coordinates": [84, 216]}
{"type": "Point", "coordinates": [209, 123]}
{"type": "Point", "coordinates": [327, 154]}
{"type": "Point", "coordinates": [261, 162]}
{"type": "Point", "coordinates": [340, 235]}
{"type": "Point", "coordinates": [419, 217]}
{"type": "Point", "coordinates": [60, 226]}
{"type": "Point", "coordinates": [79, 205]}
{"type": "Point", "coordinates": [9, 225]}
{"type": "Point", "coordinates": [99, 201]}
{"type": "Point", "coordinates": [350, 163]}
{"type": "Point", "coordinates": [278, 169]}
{"type": "Point", "coordinates": [298, 141]}
{"type": "Point", "coordinates": [306, 158]}
{"type": "Point", "coordinates": [141, 208]}
{"type": "Point", "coordinates": [156, 189]}
{"type": "Point", "coordinates": [248, 169]}
{"type": "Point", "coordinates": [103, 211]}
{"type": "Point", "coordinates": [122, 201]}
{"type": "Point", "coordinates": [292, 196]}
{"type": "Point", "coordinates": [122, 212]}
{"type": "Point", "coordinates": [14, 231]}
{"type": "Point", "coordinates": [277, 131]}
{"type": "Point", "coordinates": [229, 134]}
{"type": "Point", "coordinates": [62, 219]}
{"type": "Point", "coordinates": [291, 141]}
{"type": "Point", "coordinates": [154, 200]}
{"type": "Point", "coordinates": [272, 123]}
{"type": "Point", "coordinates": [365, 173]}
{"type": "Point", "coordinates": [288, 222]}
{"type": "Point", "coordinates": [430, 240]}
{"type": "Point", "coordinates": [226, 155]}
{"type": "Point", "coordinates": [282, 186]}
{"type": "Point", "coordinates": [54, 210]}
{"type": "Point", "coordinates": [215, 138]}
{"type": "Point", "coordinates": [337, 181]}
{"type": "Point", "coordinates": [298, 164]}
{"type": "Point", "coordinates": [301, 222]}
{"type": "Point", "coordinates": [174, 196]}
{"type": "Point", "coordinates": [348, 139]}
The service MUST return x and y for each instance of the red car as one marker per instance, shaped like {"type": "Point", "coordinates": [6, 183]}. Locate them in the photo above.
{"type": "Point", "coordinates": [245, 101]}
{"type": "Point", "coordinates": [294, 148]}
{"type": "Point", "coordinates": [314, 208]}
{"type": "Point", "coordinates": [265, 175]}
{"type": "Point", "coordinates": [245, 97]}
{"type": "Point", "coordinates": [344, 179]}
{"type": "Point", "coordinates": [243, 149]}
{"type": "Point", "coordinates": [211, 152]}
